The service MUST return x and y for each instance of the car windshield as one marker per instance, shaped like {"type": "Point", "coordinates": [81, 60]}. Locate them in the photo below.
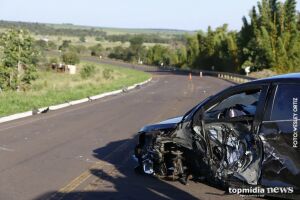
{"type": "Point", "coordinates": [191, 111]}
{"type": "Point", "coordinates": [241, 104]}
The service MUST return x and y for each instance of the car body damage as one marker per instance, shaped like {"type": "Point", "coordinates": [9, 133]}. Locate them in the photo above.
{"type": "Point", "coordinates": [234, 152]}
{"type": "Point", "coordinates": [228, 139]}
{"type": "Point", "coordinates": [163, 154]}
{"type": "Point", "coordinates": [177, 154]}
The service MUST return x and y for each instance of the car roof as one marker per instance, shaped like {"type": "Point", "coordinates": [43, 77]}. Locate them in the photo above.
{"type": "Point", "coordinates": [284, 78]}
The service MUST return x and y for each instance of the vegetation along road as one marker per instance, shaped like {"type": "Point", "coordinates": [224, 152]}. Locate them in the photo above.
{"type": "Point", "coordinates": [55, 88]}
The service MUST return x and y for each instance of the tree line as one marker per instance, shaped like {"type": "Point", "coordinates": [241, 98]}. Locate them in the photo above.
{"type": "Point", "coordinates": [147, 38]}
{"type": "Point", "coordinates": [44, 29]}
{"type": "Point", "coordinates": [268, 39]}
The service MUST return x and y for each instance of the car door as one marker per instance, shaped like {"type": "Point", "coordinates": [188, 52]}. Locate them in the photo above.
{"type": "Point", "coordinates": [279, 132]}
{"type": "Point", "coordinates": [229, 123]}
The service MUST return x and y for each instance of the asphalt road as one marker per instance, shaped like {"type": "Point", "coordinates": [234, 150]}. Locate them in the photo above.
{"type": "Point", "coordinates": [84, 151]}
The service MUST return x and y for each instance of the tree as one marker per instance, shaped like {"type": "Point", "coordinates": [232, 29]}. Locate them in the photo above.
{"type": "Point", "coordinates": [77, 48]}
{"type": "Point", "coordinates": [41, 44]}
{"type": "Point", "coordinates": [70, 58]}
{"type": "Point", "coordinates": [273, 37]}
{"type": "Point", "coordinates": [19, 58]}
{"type": "Point", "coordinates": [182, 56]}
{"type": "Point", "coordinates": [82, 39]}
{"type": "Point", "coordinates": [192, 50]}
{"type": "Point", "coordinates": [290, 14]}
{"type": "Point", "coordinates": [96, 50]}
{"type": "Point", "coordinates": [282, 64]}
{"type": "Point", "coordinates": [65, 45]}
{"type": "Point", "coordinates": [158, 55]}
{"type": "Point", "coordinates": [135, 48]}
{"type": "Point", "coordinates": [216, 48]}
{"type": "Point", "coordinates": [118, 52]}
{"type": "Point", "coordinates": [52, 45]}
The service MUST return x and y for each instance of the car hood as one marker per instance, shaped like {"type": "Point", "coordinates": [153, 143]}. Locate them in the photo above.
{"type": "Point", "coordinates": [167, 124]}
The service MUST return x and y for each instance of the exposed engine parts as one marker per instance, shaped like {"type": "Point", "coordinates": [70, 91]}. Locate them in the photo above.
{"type": "Point", "coordinates": [162, 158]}
{"type": "Point", "coordinates": [231, 153]}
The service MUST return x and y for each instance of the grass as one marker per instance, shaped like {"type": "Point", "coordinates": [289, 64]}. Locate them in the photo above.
{"type": "Point", "coordinates": [54, 88]}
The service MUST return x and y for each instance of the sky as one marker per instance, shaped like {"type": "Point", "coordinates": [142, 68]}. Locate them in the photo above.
{"type": "Point", "coordinates": [170, 14]}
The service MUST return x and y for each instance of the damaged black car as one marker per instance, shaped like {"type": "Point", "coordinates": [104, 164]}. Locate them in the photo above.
{"type": "Point", "coordinates": [247, 134]}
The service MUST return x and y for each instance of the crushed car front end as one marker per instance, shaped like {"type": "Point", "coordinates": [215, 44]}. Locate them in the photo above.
{"type": "Point", "coordinates": [225, 140]}
{"type": "Point", "coordinates": [168, 150]}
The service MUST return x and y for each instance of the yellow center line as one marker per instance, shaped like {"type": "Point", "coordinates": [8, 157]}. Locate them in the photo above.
{"type": "Point", "coordinates": [76, 182]}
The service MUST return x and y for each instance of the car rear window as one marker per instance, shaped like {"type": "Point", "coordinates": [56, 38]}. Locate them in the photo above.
{"type": "Point", "coordinates": [286, 102]}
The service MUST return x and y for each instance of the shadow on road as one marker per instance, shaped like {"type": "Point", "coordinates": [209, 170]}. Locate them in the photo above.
{"type": "Point", "coordinates": [114, 178]}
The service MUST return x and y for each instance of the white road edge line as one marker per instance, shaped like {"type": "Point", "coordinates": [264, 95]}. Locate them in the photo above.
{"type": "Point", "coordinates": [71, 103]}
{"type": "Point", "coordinates": [6, 149]}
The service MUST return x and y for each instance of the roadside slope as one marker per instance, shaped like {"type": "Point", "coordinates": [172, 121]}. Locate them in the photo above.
{"type": "Point", "coordinates": [56, 88]}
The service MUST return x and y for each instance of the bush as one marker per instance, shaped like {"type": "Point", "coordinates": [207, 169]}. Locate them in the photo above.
{"type": "Point", "coordinates": [77, 48]}
{"type": "Point", "coordinates": [82, 39]}
{"type": "Point", "coordinates": [4, 78]}
{"type": "Point", "coordinates": [53, 60]}
{"type": "Point", "coordinates": [99, 39]}
{"type": "Point", "coordinates": [96, 50]}
{"type": "Point", "coordinates": [30, 74]}
{"type": "Point", "coordinates": [65, 44]}
{"type": "Point", "coordinates": [107, 73]}
{"type": "Point", "coordinates": [119, 52]}
{"type": "Point", "coordinates": [87, 71]}
{"type": "Point", "coordinates": [70, 58]}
